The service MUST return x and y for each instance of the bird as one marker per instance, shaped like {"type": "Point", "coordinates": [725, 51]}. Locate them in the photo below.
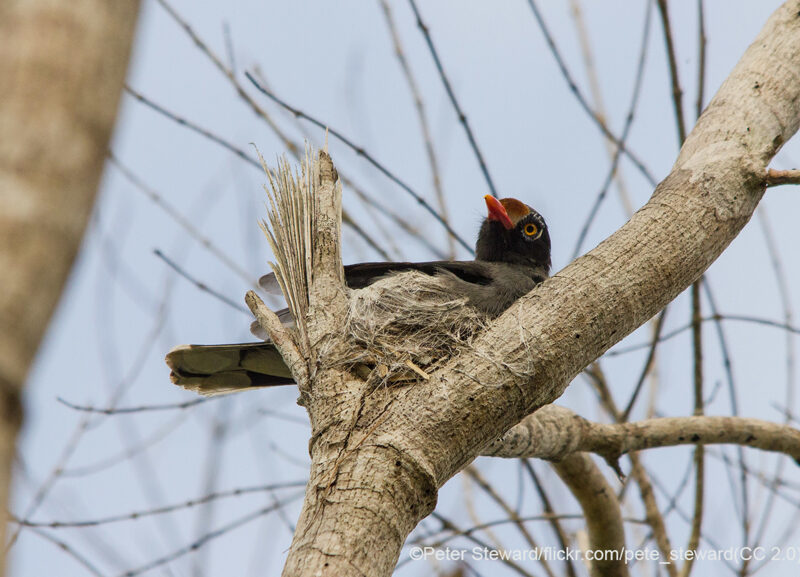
{"type": "Point", "coordinates": [512, 256]}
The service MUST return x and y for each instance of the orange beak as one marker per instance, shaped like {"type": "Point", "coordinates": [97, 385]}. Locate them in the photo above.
{"type": "Point", "coordinates": [498, 212]}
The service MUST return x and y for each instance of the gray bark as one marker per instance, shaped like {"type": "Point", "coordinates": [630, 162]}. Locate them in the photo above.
{"type": "Point", "coordinates": [62, 66]}
{"type": "Point", "coordinates": [380, 456]}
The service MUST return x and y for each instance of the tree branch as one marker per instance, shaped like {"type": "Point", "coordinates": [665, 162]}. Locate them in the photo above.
{"type": "Point", "coordinates": [554, 433]}
{"type": "Point", "coordinates": [380, 454]}
{"type": "Point", "coordinates": [600, 508]}
{"type": "Point", "coordinates": [779, 177]}
{"type": "Point", "coordinates": [279, 334]}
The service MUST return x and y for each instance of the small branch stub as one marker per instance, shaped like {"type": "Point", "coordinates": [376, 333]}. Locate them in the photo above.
{"type": "Point", "coordinates": [280, 335]}
{"type": "Point", "coordinates": [779, 177]}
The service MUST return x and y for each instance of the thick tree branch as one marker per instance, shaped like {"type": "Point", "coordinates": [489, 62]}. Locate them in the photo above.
{"type": "Point", "coordinates": [554, 433]}
{"type": "Point", "coordinates": [600, 508]}
{"type": "Point", "coordinates": [379, 455]}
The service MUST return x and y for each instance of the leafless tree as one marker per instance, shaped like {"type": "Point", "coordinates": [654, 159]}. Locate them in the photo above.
{"type": "Point", "coordinates": [381, 456]}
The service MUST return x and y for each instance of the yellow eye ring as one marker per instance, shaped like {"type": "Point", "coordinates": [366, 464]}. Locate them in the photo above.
{"type": "Point", "coordinates": [530, 229]}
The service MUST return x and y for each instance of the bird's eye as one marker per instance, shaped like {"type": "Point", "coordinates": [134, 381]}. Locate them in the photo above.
{"type": "Point", "coordinates": [530, 229]}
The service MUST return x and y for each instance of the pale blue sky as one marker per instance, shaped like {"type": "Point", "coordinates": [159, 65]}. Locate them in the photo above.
{"type": "Point", "coordinates": [124, 308]}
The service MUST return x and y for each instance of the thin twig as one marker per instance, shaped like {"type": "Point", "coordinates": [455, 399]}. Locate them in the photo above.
{"type": "Point", "coordinates": [194, 127]}
{"type": "Point", "coordinates": [69, 550]}
{"type": "Point", "coordinates": [129, 410]}
{"type": "Point", "coordinates": [555, 522]}
{"type": "Point", "coordinates": [699, 451]}
{"type": "Point", "coordinates": [701, 58]}
{"type": "Point", "coordinates": [475, 475]}
{"type": "Point", "coordinates": [697, 331]}
{"type": "Point", "coordinates": [136, 515]}
{"type": "Point", "coordinates": [360, 151]}
{"type": "Point", "coordinates": [788, 315]}
{"type": "Point", "coordinates": [449, 525]}
{"type": "Point", "coordinates": [129, 451]}
{"type": "Point", "coordinates": [715, 318]}
{"type": "Point", "coordinates": [637, 85]}
{"type": "Point", "coordinates": [200, 285]}
{"type": "Point", "coordinates": [582, 100]}
{"type": "Point", "coordinates": [598, 102]}
{"type": "Point", "coordinates": [677, 93]}
{"type": "Point", "coordinates": [196, 544]}
{"type": "Point", "coordinates": [462, 118]}
{"type": "Point", "coordinates": [184, 222]}
{"type": "Point", "coordinates": [422, 117]}
{"type": "Point", "coordinates": [713, 544]}
{"type": "Point", "coordinates": [229, 74]}
{"type": "Point", "coordinates": [728, 368]}
{"type": "Point", "coordinates": [655, 519]}
{"type": "Point", "coordinates": [648, 363]}
{"type": "Point", "coordinates": [250, 160]}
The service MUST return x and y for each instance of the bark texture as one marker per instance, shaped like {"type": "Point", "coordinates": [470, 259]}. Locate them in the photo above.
{"type": "Point", "coordinates": [600, 509]}
{"type": "Point", "coordinates": [62, 66]}
{"type": "Point", "coordinates": [380, 455]}
{"type": "Point", "coordinates": [555, 433]}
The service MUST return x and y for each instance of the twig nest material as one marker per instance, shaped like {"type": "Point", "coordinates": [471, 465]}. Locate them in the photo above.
{"type": "Point", "coordinates": [407, 323]}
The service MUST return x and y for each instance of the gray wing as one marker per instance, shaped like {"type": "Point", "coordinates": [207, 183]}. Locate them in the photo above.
{"type": "Point", "coordinates": [220, 369]}
{"type": "Point", "coordinates": [492, 287]}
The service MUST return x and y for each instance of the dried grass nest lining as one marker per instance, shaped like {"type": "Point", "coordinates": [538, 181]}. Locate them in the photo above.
{"type": "Point", "coordinates": [410, 316]}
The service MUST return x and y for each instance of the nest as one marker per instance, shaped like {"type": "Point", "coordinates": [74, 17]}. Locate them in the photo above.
{"type": "Point", "coordinates": [408, 323]}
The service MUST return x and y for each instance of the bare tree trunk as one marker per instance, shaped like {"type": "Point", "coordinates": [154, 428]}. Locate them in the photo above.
{"type": "Point", "coordinates": [62, 66]}
{"type": "Point", "coordinates": [379, 457]}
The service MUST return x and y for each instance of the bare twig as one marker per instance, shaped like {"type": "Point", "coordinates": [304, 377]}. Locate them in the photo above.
{"type": "Point", "coordinates": [421, 117]}
{"type": "Point", "coordinates": [677, 93]}
{"type": "Point", "coordinates": [462, 118]}
{"type": "Point", "coordinates": [69, 550]}
{"type": "Point", "coordinates": [744, 507]}
{"type": "Point", "coordinates": [211, 535]}
{"type": "Point", "coordinates": [555, 522]}
{"type": "Point", "coordinates": [360, 151]}
{"type": "Point", "coordinates": [648, 363]}
{"type": "Point", "coordinates": [699, 455]}
{"type": "Point", "coordinates": [598, 102]}
{"type": "Point", "coordinates": [199, 284]}
{"type": "Point", "coordinates": [612, 171]}
{"type": "Point", "coordinates": [582, 100]}
{"type": "Point", "coordinates": [129, 410]}
{"type": "Point", "coordinates": [715, 318]}
{"type": "Point", "coordinates": [476, 476]}
{"type": "Point", "coordinates": [788, 315]}
{"type": "Point", "coordinates": [701, 58]}
{"type": "Point", "coordinates": [251, 161]}
{"type": "Point", "coordinates": [449, 525]}
{"type": "Point", "coordinates": [136, 515]}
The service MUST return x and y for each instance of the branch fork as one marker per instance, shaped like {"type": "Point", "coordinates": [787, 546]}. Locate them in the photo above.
{"type": "Point", "coordinates": [378, 459]}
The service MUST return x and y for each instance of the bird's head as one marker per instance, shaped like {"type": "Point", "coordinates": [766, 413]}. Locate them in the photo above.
{"type": "Point", "coordinates": [513, 232]}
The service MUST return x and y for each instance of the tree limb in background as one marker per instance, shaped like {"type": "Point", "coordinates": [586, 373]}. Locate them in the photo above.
{"type": "Point", "coordinates": [554, 433]}
{"type": "Point", "coordinates": [63, 66]}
